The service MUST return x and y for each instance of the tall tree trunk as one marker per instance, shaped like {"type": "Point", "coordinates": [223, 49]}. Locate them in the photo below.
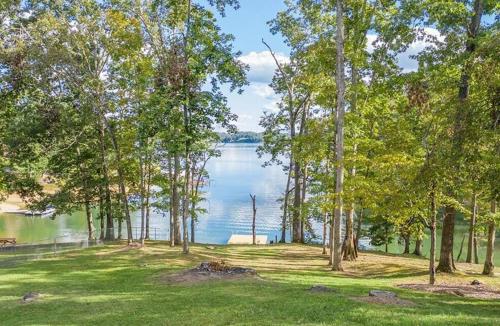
{"type": "Point", "coordinates": [296, 221]}
{"type": "Point", "coordinates": [339, 185]}
{"type": "Point", "coordinates": [254, 211]}
{"type": "Point", "coordinates": [406, 239]}
{"type": "Point", "coordinates": [302, 201]}
{"type": "Point", "coordinates": [476, 256]}
{"type": "Point", "coordinates": [285, 204]}
{"type": "Point", "coordinates": [446, 263]}
{"type": "Point", "coordinates": [148, 194]}
{"type": "Point", "coordinates": [472, 229]}
{"type": "Point", "coordinates": [432, 254]}
{"type": "Point", "coordinates": [185, 206]}
{"type": "Point", "coordinates": [110, 231]}
{"type": "Point", "coordinates": [193, 205]}
{"type": "Point", "coordinates": [90, 220]}
{"type": "Point", "coordinates": [349, 245]}
{"type": "Point", "coordinates": [171, 206]}
{"type": "Point", "coordinates": [175, 201]}
{"type": "Point", "coordinates": [489, 267]}
{"type": "Point", "coordinates": [121, 181]}
{"type": "Point", "coordinates": [142, 193]}
{"type": "Point", "coordinates": [358, 228]}
{"type": "Point", "coordinates": [325, 222]}
{"type": "Point", "coordinates": [102, 234]}
{"type": "Point", "coordinates": [418, 246]}
{"type": "Point", "coordinates": [461, 248]}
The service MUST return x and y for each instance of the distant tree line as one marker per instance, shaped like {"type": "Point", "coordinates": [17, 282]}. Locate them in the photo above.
{"type": "Point", "coordinates": [241, 137]}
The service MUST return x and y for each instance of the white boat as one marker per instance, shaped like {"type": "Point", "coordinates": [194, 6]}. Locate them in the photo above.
{"type": "Point", "coordinates": [48, 212]}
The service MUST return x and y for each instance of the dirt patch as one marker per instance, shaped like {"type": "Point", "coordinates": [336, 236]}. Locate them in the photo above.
{"type": "Point", "coordinates": [385, 301]}
{"type": "Point", "coordinates": [131, 246]}
{"type": "Point", "coordinates": [208, 271]}
{"type": "Point", "coordinates": [477, 291]}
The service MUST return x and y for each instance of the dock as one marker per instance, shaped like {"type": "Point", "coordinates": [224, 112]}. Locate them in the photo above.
{"type": "Point", "coordinates": [247, 239]}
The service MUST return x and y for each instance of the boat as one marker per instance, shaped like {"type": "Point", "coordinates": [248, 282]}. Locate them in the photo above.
{"type": "Point", "coordinates": [48, 212]}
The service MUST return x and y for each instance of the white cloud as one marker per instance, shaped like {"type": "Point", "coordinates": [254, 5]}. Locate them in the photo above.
{"type": "Point", "coordinates": [262, 90]}
{"type": "Point", "coordinates": [262, 65]}
{"type": "Point", "coordinates": [429, 36]}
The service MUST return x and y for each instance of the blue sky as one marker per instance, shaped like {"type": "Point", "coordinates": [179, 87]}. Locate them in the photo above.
{"type": "Point", "coordinates": [249, 25]}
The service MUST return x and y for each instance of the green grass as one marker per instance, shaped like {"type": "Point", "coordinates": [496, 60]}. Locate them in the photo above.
{"type": "Point", "coordinates": [111, 286]}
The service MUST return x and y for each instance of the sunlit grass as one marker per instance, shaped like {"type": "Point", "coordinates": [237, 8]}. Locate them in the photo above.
{"type": "Point", "coordinates": [114, 285]}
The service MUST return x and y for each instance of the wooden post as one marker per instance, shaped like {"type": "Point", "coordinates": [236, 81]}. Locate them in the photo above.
{"type": "Point", "coordinates": [253, 220]}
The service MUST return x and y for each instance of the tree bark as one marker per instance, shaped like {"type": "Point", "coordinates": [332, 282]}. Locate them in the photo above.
{"type": "Point", "coordinates": [461, 248]}
{"type": "Point", "coordinates": [432, 254]}
{"type": "Point", "coordinates": [175, 201]}
{"type": "Point", "coordinates": [472, 229]}
{"type": "Point", "coordinates": [285, 204]}
{"type": "Point", "coordinates": [325, 222]}
{"type": "Point", "coordinates": [418, 246]}
{"type": "Point", "coordinates": [148, 194]}
{"type": "Point", "coordinates": [358, 228]}
{"type": "Point", "coordinates": [102, 234]}
{"type": "Point", "coordinates": [254, 210]}
{"type": "Point", "coordinates": [406, 239]}
{"type": "Point", "coordinates": [142, 193]}
{"type": "Point", "coordinates": [446, 263]}
{"type": "Point", "coordinates": [339, 184]}
{"type": "Point", "coordinates": [121, 181]}
{"type": "Point", "coordinates": [110, 231]}
{"type": "Point", "coordinates": [303, 218]}
{"type": "Point", "coordinates": [489, 266]}
{"type": "Point", "coordinates": [476, 257]}
{"type": "Point", "coordinates": [90, 220]}
{"type": "Point", "coordinates": [171, 206]}
{"type": "Point", "coordinates": [296, 221]}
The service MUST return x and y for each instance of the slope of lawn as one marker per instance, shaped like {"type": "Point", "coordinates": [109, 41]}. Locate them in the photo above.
{"type": "Point", "coordinates": [116, 285]}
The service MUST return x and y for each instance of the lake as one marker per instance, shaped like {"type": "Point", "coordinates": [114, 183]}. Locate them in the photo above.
{"type": "Point", "coordinates": [233, 176]}
{"type": "Point", "coordinates": [236, 174]}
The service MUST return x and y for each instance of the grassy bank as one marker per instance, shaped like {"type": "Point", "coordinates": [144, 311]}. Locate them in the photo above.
{"type": "Point", "coordinates": [116, 285]}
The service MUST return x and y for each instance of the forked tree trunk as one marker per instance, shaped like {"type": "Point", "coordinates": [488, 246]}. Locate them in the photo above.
{"type": "Point", "coordinates": [446, 263]}
{"type": "Point", "coordinates": [339, 184]}
{"type": "Point", "coordinates": [472, 229]}
{"type": "Point", "coordinates": [489, 267]}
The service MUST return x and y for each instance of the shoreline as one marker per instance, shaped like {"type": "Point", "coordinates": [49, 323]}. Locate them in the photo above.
{"type": "Point", "coordinates": [12, 205]}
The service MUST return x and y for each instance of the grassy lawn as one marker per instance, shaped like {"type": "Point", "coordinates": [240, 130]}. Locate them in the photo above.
{"type": "Point", "coordinates": [111, 285]}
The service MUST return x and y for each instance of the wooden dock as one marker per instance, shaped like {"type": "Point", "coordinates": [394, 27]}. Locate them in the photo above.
{"type": "Point", "coordinates": [247, 239]}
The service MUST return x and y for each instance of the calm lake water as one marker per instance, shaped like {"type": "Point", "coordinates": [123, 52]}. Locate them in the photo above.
{"type": "Point", "coordinates": [233, 176]}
